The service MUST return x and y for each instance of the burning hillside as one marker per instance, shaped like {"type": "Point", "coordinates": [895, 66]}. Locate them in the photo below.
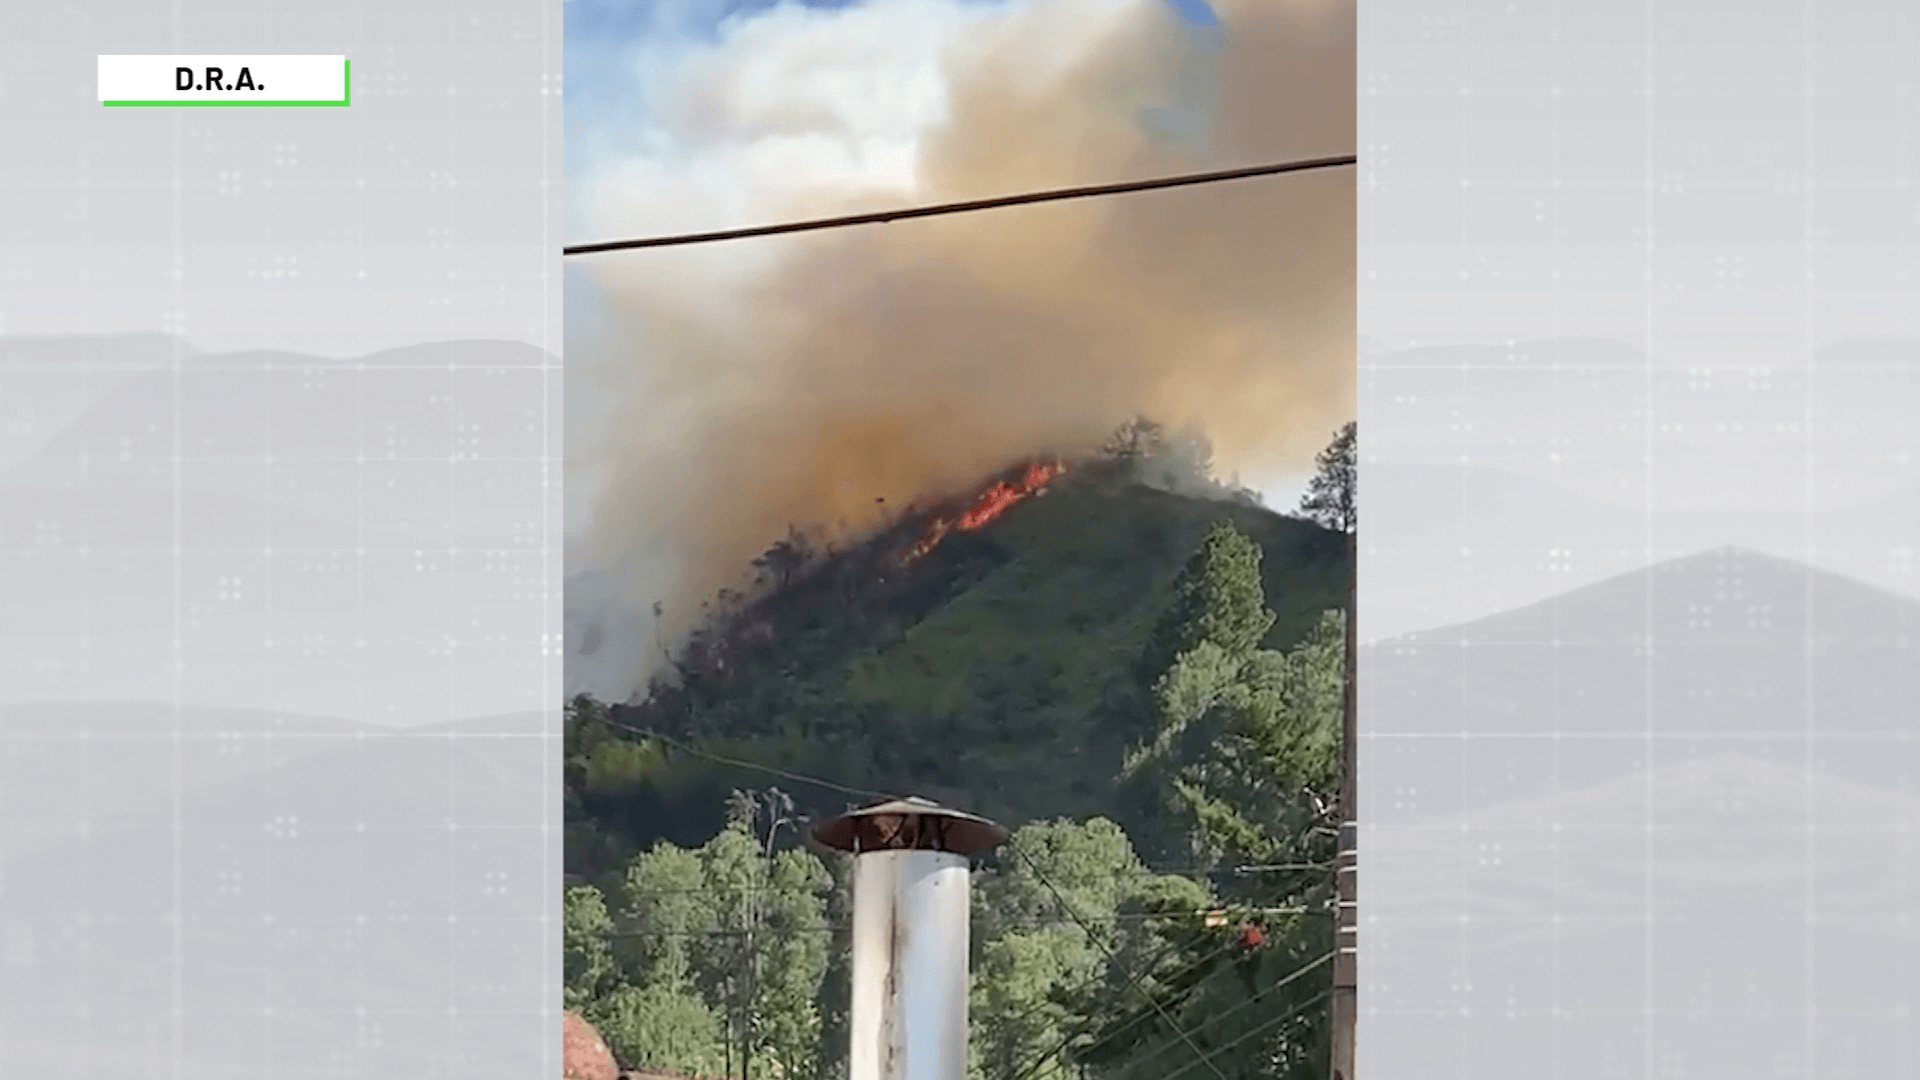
{"type": "Point", "coordinates": [986, 504]}
{"type": "Point", "coordinates": [728, 390]}
{"type": "Point", "coordinates": [873, 566]}
{"type": "Point", "coordinates": [977, 651]}
{"type": "Point", "coordinates": [907, 566]}
{"type": "Point", "coordinates": [801, 567]}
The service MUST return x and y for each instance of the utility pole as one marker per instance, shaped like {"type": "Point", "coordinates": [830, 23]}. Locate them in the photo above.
{"type": "Point", "coordinates": [1346, 924]}
{"type": "Point", "coordinates": [746, 1012]}
{"type": "Point", "coordinates": [779, 807]}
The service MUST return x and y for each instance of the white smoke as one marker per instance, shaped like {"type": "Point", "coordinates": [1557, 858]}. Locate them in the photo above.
{"type": "Point", "coordinates": [728, 390]}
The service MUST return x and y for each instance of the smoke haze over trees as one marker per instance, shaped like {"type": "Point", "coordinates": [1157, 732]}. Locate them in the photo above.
{"type": "Point", "coordinates": [741, 389]}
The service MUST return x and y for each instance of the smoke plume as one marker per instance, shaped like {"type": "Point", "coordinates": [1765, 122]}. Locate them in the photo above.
{"type": "Point", "coordinates": [824, 378]}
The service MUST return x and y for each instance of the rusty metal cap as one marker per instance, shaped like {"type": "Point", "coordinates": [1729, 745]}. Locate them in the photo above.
{"type": "Point", "coordinates": [910, 824]}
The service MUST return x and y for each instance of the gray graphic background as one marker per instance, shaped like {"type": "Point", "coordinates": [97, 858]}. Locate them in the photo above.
{"type": "Point", "coordinates": [1638, 288]}
{"type": "Point", "coordinates": [1638, 691]}
{"type": "Point", "coordinates": [279, 520]}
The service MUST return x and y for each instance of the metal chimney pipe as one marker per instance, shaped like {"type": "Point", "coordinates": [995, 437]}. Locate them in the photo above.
{"type": "Point", "coordinates": [911, 906]}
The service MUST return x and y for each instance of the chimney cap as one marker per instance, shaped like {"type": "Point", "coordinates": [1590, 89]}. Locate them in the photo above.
{"type": "Point", "coordinates": [910, 823]}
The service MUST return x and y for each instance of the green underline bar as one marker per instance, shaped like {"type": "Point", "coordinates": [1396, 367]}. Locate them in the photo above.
{"type": "Point", "coordinates": [225, 104]}
{"type": "Point", "coordinates": [345, 101]}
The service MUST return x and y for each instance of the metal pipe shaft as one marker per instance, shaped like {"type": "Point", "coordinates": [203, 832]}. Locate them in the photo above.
{"type": "Point", "coordinates": [910, 942]}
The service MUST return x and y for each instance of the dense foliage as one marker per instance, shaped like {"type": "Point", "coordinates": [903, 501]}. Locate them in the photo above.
{"type": "Point", "coordinates": [1145, 682]}
{"type": "Point", "coordinates": [710, 958]}
{"type": "Point", "coordinates": [1003, 673]}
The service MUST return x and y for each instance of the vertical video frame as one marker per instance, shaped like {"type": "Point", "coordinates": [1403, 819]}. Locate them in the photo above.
{"type": "Point", "coordinates": [961, 500]}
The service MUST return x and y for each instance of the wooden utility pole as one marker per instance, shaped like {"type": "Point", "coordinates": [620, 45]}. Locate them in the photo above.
{"type": "Point", "coordinates": [1346, 923]}
{"type": "Point", "coordinates": [779, 812]}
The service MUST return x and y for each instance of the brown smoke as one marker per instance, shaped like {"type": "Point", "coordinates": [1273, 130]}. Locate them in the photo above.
{"type": "Point", "coordinates": [904, 361]}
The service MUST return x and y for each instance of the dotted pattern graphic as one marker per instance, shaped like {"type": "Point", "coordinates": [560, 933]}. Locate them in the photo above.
{"type": "Point", "coordinates": [280, 506]}
{"type": "Point", "coordinates": [1637, 703]}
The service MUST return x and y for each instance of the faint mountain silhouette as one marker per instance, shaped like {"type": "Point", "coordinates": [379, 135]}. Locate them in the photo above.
{"type": "Point", "coordinates": [20, 352]}
{"type": "Point", "coordinates": [1815, 460]}
{"type": "Point", "coordinates": [1726, 647]}
{"type": "Point", "coordinates": [73, 765]}
{"type": "Point", "coordinates": [405, 872]}
{"type": "Point", "coordinates": [1442, 544]}
{"type": "Point", "coordinates": [1731, 826]}
{"type": "Point", "coordinates": [1683, 796]}
{"type": "Point", "coordinates": [228, 415]}
{"type": "Point", "coordinates": [382, 518]}
{"type": "Point", "coordinates": [1753, 910]}
{"type": "Point", "coordinates": [48, 382]}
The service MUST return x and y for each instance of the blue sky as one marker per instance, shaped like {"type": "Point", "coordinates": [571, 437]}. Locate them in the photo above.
{"type": "Point", "coordinates": [602, 36]}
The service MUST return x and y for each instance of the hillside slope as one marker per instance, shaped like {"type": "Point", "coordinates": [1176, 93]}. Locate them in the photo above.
{"type": "Point", "coordinates": [1000, 672]}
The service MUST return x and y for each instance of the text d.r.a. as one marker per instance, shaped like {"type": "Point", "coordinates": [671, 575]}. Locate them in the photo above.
{"type": "Point", "coordinates": [215, 80]}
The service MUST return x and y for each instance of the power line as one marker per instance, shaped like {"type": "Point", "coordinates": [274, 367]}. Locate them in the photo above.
{"type": "Point", "coordinates": [1167, 950]}
{"type": "Point", "coordinates": [1261, 1030]}
{"type": "Point", "coordinates": [801, 778]}
{"type": "Point", "coordinates": [1095, 938]}
{"type": "Point", "coordinates": [1344, 1002]}
{"type": "Point", "coordinates": [1035, 923]}
{"type": "Point", "coordinates": [1145, 969]}
{"type": "Point", "coordinates": [907, 213]}
{"type": "Point", "coordinates": [1034, 1065]}
{"type": "Point", "coordinates": [1216, 1018]}
{"type": "Point", "coordinates": [748, 890]}
{"type": "Point", "coordinates": [1059, 897]}
{"type": "Point", "coordinates": [1258, 996]}
{"type": "Point", "coordinates": [1239, 871]}
{"type": "Point", "coordinates": [798, 778]}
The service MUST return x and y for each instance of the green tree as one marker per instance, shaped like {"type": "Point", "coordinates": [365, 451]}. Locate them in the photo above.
{"type": "Point", "coordinates": [1218, 600]}
{"type": "Point", "coordinates": [1071, 923]}
{"type": "Point", "coordinates": [835, 1000]}
{"type": "Point", "coordinates": [617, 767]}
{"type": "Point", "coordinates": [586, 954]}
{"type": "Point", "coordinates": [1270, 766]}
{"type": "Point", "coordinates": [602, 766]}
{"type": "Point", "coordinates": [1247, 749]}
{"type": "Point", "coordinates": [738, 929]}
{"type": "Point", "coordinates": [1252, 1011]}
{"type": "Point", "coordinates": [1332, 493]}
{"type": "Point", "coordinates": [667, 918]}
{"type": "Point", "coordinates": [1247, 742]}
{"type": "Point", "coordinates": [659, 1027]}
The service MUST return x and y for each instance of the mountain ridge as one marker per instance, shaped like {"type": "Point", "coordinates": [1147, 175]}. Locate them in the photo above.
{"type": "Point", "coordinates": [997, 671]}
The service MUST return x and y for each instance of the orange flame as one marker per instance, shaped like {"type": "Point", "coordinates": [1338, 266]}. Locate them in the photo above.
{"type": "Point", "coordinates": [989, 505]}
{"type": "Point", "coordinates": [1002, 496]}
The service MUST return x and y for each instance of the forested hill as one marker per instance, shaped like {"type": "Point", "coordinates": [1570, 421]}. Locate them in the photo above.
{"type": "Point", "coordinates": [1000, 672]}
